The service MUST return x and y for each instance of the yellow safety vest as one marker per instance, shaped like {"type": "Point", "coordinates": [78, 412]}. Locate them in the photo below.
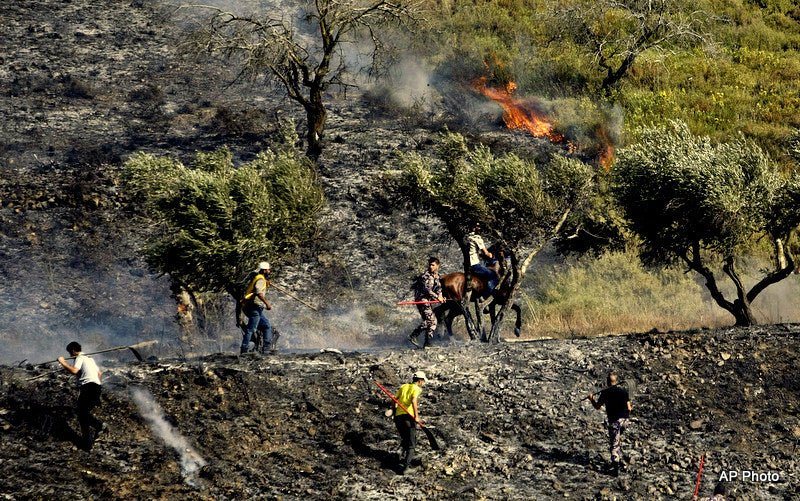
{"type": "Point", "coordinates": [251, 287]}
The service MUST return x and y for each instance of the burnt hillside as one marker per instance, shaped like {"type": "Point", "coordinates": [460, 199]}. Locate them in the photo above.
{"type": "Point", "coordinates": [83, 84]}
{"type": "Point", "coordinates": [511, 419]}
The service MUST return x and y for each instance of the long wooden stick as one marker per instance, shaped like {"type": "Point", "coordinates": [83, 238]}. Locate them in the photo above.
{"type": "Point", "coordinates": [132, 347]}
{"type": "Point", "coordinates": [283, 289]}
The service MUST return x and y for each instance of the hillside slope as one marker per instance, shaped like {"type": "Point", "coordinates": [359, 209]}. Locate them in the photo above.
{"type": "Point", "coordinates": [511, 418]}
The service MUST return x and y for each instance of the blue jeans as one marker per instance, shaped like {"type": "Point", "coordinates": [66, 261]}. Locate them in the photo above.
{"type": "Point", "coordinates": [482, 271]}
{"type": "Point", "coordinates": [256, 319]}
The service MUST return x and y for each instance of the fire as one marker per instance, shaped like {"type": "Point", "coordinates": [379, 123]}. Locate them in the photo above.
{"type": "Point", "coordinates": [606, 157]}
{"type": "Point", "coordinates": [516, 114]}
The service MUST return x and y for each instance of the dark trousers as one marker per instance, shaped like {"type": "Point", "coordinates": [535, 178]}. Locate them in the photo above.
{"type": "Point", "coordinates": [88, 399]}
{"type": "Point", "coordinates": [407, 428]}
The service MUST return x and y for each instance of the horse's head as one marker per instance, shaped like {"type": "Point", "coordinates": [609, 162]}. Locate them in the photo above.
{"type": "Point", "coordinates": [502, 256]}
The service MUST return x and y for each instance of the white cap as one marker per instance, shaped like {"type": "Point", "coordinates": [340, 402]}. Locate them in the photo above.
{"type": "Point", "coordinates": [420, 375]}
{"type": "Point", "coordinates": [264, 265]}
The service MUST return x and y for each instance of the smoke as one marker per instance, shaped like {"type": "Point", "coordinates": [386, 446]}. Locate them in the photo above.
{"type": "Point", "coordinates": [410, 83]}
{"type": "Point", "coordinates": [778, 303]}
{"type": "Point", "coordinates": [191, 461]}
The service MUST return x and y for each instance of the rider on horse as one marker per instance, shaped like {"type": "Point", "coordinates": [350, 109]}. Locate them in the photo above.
{"type": "Point", "coordinates": [477, 249]}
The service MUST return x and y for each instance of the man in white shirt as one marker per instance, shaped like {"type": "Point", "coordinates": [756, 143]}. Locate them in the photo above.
{"type": "Point", "coordinates": [478, 250]}
{"type": "Point", "coordinates": [89, 382]}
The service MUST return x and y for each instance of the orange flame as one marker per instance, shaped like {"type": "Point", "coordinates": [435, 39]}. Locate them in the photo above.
{"type": "Point", "coordinates": [516, 114]}
{"type": "Point", "coordinates": [606, 155]}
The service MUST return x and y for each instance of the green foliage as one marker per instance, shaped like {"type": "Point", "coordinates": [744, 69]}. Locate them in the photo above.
{"type": "Point", "coordinates": [213, 220]}
{"type": "Point", "coordinates": [743, 76]}
{"type": "Point", "coordinates": [513, 198]}
{"type": "Point", "coordinates": [678, 189]}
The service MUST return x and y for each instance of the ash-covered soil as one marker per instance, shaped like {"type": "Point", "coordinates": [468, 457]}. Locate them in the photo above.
{"type": "Point", "coordinates": [83, 84]}
{"type": "Point", "coordinates": [511, 419]}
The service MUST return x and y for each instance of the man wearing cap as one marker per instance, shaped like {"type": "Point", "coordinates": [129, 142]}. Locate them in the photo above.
{"type": "Point", "coordinates": [478, 250]}
{"type": "Point", "coordinates": [255, 306]}
{"type": "Point", "coordinates": [406, 423]}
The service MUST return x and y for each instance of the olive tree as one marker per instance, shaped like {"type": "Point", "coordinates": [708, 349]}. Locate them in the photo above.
{"type": "Point", "coordinates": [212, 221]}
{"type": "Point", "coordinates": [703, 204]}
{"type": "Point", "coordinates": [521, 205]}
{"type": "Point", "coordinates": [305, 47]}
{"type": "Point", "coordinates": [614, 33]}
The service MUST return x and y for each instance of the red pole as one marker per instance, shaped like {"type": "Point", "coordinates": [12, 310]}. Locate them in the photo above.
{"type": "Point", "coordinates": [391, 395]}
{"type": "Point", "coordinates": [699, 475]}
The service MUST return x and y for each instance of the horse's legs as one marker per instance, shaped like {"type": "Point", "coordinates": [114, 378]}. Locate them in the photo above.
{"type": "Point", "coordinates": [452, 313]}
{"type": "Point", "coordinates": [479, 320]}
{"type": "Point", "coordinates": [439, 312]}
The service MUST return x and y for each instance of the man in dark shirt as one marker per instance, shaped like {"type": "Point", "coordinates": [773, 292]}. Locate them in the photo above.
{"type": "Point", "coordinates": [618, 409]}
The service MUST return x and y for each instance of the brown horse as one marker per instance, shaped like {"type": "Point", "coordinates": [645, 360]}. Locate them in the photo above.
{"type": "Point", "coordinates": [454, 289]}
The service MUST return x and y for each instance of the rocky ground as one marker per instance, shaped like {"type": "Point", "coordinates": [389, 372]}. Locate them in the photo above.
{"type": "Point", "coordinates": [83, 84]}
{"type": "Point", "coordinates": [511, 420]}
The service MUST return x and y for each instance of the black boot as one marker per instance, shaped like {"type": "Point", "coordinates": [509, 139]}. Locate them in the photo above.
{"type": "Point", "coordinates": [407, 456]}
{"type": "Point", "coordinates": [412, 338]}
{"type": "Point", "coordinates": [405, 461]}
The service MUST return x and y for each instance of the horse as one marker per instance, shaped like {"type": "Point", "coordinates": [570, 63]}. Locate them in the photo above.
{"type": "Point", "coordinates": [454, 289]}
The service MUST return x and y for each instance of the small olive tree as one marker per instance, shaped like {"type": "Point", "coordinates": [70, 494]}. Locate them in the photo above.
{"type": "Point", "coordinates": [692, 201]}
{"type": "Point", "coordinates": [213, 221]}
{"type": "Point", "coordinates": [302, 47]}
{"type": "Point", "coordinates": [614, 34]}
{"type": "Point", "coordinates": [522, 205]}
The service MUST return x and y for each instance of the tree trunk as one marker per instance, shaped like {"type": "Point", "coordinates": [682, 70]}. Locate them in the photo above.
{"type": "Point", "coordinates": [317, 115]}
{"type": "Point", "coordinates": [518, 273]}
{"type": "Point", "coordinates": [743, 314]}
{"type": "Point", "coordinates": [740, 308]}
{"type": "Point", "coordinates": [459, 236]}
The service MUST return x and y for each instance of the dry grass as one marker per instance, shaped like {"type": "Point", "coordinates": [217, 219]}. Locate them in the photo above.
{"type": "Point", "coordinates": [614, 294]}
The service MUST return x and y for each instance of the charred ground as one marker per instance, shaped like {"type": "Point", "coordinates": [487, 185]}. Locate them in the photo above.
{"type": "Point", "coordinates": [84, 83]}
{"type": "Point", "coordinates": [511, 418]}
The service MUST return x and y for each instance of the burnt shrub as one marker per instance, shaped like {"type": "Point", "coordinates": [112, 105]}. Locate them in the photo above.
{"type": "Point", "coordinates": [76, 88]}
{"type": "Point", "coordinates": [148, 93]}
{"type": "Point", "coordinates": [147, 103]}
{"type": "Point", "coordinates": [229, 121]}
{"type": "Point", "coordinates": [84, 153]}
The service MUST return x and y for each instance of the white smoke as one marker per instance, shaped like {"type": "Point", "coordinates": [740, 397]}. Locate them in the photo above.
{"type": "Point", "coordinates": [191, 462]}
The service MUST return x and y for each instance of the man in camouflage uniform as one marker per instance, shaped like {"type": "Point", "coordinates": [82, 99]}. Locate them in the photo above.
{"type": "Point", "coordinates": [428, 288]}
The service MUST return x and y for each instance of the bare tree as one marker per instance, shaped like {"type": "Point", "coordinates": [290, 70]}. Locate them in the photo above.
{"type": "Point", "coordinates": [616, 32]}
{"type": "Point", "coordinates": [301, 47]}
